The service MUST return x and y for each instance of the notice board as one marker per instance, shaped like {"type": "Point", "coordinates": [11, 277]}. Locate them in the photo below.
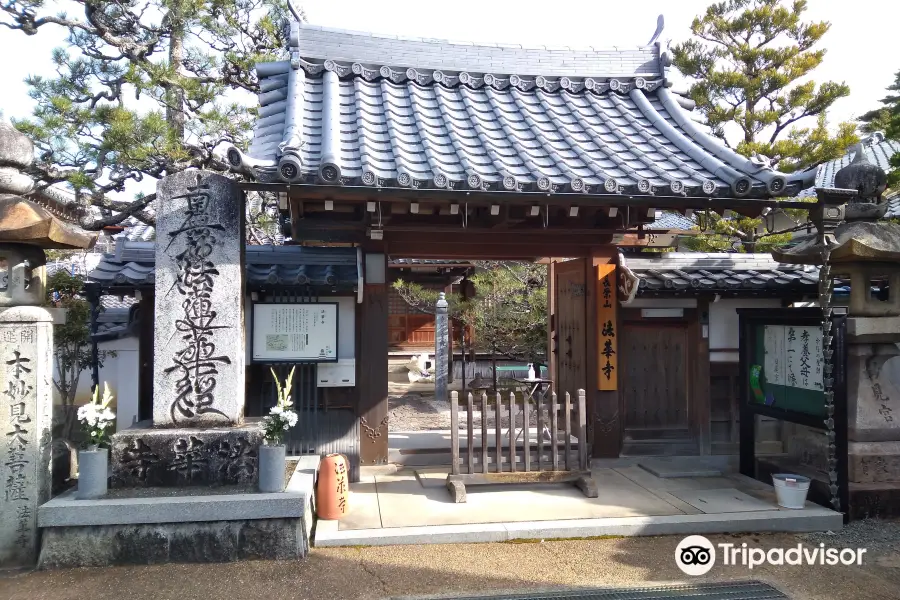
{"type": "Point", "coordinates": [787, 368]}
{"type": "Point", "coordinates": [305, 332]}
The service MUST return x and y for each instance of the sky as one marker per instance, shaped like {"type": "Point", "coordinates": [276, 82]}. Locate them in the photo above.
{"type": "Point", "coordinates": [863, 48]}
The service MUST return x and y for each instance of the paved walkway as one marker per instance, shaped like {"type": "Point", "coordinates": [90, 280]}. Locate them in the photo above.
{"type": "Point", "coordinates": [413, 506]}
{"type": "Point", "coordinates": [401, 571]}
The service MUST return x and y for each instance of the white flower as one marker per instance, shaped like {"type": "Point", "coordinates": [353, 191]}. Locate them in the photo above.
{"type": "Point", "coordinates": [286, 426]}
{"type": "Point", "coordinates": [276, 410]}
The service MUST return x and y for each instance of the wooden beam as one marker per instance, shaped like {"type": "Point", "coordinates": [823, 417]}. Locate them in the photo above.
{"type": "Point", "coordinates": [486, 198]}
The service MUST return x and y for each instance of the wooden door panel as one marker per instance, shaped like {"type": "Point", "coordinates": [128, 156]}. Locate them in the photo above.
{"type": "Point", "coordinates": [571, 356]}
{"type": "Point", "coordinates": [656, 376]}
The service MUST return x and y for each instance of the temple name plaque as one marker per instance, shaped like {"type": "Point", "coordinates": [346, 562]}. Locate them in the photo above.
{"type": "Point", "coordinates": [295, 332]}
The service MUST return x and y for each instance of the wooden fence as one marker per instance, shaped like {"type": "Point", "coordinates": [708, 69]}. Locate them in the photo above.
{"type": "Point", "coordinates": [557, 459]}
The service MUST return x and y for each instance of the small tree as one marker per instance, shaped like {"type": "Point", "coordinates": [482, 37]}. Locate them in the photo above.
{"type": "Point", "coordinates": [72, 343]}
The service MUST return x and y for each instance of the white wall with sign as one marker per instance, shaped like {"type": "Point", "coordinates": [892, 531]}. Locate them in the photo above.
{"type": "Point", "coordinates": [295, 332]}
{"type": "Point", "coordinates": [794, 356]}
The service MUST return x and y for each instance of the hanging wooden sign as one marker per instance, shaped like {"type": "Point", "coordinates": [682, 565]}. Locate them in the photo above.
{"type": "Point", "coordinates": [607, 352]}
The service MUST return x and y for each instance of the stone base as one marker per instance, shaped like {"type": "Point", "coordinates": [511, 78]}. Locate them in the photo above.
{"type": "Point", "coordinates": [874, 462]}
{"type": "Point", "coordinates": [874, 501]}
{"type": "Point", "coordinates": [146, 529]}
{"type": "Point", "coordinates": [210, 541]}
{"type": "Point", "coordinates": [145, 456]}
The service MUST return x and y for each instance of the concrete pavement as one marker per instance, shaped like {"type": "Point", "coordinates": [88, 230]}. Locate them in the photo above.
{"type": "Point", "coordinates": [401, 571]}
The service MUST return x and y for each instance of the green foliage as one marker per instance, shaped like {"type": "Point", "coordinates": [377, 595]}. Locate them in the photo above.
{"type": "Point", "coordinates": [71, 340]}
{"type": "Point", "coordinates": [740, 234]}
{"type": "Point", "coordinates": [508, 312]}
{"type": "Point", "coordinates": [887, 119]}
{"type": "Point", "coordinates": [751, 60]}
{"type": "Point", "coordinates": [144, 88]}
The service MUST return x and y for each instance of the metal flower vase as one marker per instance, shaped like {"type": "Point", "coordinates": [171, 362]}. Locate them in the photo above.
{"type": "Point", "coordinates": [271, 468]}
{"type": "Point", "coordinates": [93, 473]}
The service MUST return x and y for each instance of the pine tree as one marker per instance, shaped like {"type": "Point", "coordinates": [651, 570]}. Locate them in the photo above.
{"type": "Point", "coordinates": [750, 61]}
{"type": "Point", "coordinates": [144, 89]}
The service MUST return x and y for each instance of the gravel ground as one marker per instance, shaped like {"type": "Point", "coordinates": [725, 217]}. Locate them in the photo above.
{"type": "Point", "coordinates": [421, 412]}
{"type": "Point", "coordinates": [415, 571]}
{"type": "Point", "coordinates": [877, 536]}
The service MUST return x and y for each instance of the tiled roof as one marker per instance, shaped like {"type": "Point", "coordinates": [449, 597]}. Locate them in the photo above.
{"type": "Point", "coordinates": [116, 317]}
{"type": "Point", "coordinates": [671, 220]}
{"type": "Point", "coordinates": [357, 109]}
{"type": "Point", "coordinates": [429, 262]}
{"type": "Point", "coordinates": [134, 264]}
{"type": "Point", "coordinates": [321, 43]}
{"type": "Point", "coordinates": [878, 152]}
{"type": "Point", "coordinates": [697, 272]}
{"type": "Point", "coordinates": [893, 209]}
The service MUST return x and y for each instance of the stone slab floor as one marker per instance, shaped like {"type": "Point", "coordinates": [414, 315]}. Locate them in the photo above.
{"type": "Point", "coordinates": [413, 571]}
{"type": "Point", "coordinates": [415, 497]}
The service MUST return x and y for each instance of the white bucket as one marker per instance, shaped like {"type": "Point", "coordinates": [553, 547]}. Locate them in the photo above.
{"type": "Point", "coordinates": [791, 490]}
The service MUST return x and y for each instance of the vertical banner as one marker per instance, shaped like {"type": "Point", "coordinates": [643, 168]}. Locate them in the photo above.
{"type": "Point", "coordinates": [606, 322]}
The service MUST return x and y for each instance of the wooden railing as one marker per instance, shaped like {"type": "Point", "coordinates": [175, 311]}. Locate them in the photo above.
{"type": "Point", "coordinates": [557, 459]}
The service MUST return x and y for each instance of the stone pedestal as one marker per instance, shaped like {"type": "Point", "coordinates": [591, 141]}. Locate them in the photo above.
{"type": "Point", "coordinates": [145, 456]}
{"type": "Point", "coordinates": [199, 341]}
{"type": "Point", "coordinates": [26, 401]}
{"type": "Point", "coordinates": [873, 392]}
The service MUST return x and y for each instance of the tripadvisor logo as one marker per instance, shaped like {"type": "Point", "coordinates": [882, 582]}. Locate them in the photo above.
{"type": "Point", "coordinates": [696, 555]}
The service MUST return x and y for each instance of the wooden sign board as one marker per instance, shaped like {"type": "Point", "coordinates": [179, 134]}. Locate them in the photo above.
{"type": "Point", "coordinates": [607, 352]}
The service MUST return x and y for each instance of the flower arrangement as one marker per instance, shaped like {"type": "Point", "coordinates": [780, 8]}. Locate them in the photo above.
{"type": "Point", "coordinates": [281, 417]}
{"type": "Point", "coordinates": [97, 419]}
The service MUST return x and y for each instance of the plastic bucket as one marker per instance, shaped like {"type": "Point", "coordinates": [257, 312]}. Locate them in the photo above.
{"type": "Point", "coordinates": [791, 490]}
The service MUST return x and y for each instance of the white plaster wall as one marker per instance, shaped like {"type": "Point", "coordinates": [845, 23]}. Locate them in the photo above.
{"type": "Point", "coordinates": [723, 324]}
{"type": "Point", "coordinates": [121, 373]}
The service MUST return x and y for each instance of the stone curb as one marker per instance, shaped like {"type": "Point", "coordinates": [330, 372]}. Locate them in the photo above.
{"type": "Point", "coordinates": [816, 519]}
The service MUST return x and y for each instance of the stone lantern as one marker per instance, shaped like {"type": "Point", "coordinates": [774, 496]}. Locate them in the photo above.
{"type": "Point", "coordinates": [866, 251]}
{"type": "Point", "coordinates": [27, 227]}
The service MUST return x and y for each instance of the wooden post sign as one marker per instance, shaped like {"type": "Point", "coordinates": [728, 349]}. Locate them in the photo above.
{"type": "Point", "coordinates": [606, 323]}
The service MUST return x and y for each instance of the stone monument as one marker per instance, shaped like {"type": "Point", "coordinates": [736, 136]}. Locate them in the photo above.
{"type": "Point", "coordinates": [867, 252]}
{"type": "Point", "coordinates": [197, 434]}
{"type": "Point", "coordinates": [26, 350]}
{"type": "Point", "coordinates": [441, 348]}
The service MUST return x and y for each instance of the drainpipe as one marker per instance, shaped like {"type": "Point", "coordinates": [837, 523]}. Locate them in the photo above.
{"type": "Point", "coordinates": [92, 292]}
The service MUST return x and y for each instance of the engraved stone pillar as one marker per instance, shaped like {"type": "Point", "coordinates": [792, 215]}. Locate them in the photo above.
{"type": "Point", "coordinates": [441, 346]}
{"type": "Point", "coordinates": [26, 404]}
{"type": "Point", "coordinates": [199, 340]}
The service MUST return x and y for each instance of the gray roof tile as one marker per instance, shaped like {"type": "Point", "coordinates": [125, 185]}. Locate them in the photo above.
{"type": "Point", "coordinates": [134, 264]}
{"type": "Point", "coordinates": [363, 109]}
{"type": "Point", "coordinates": [737, 273]}
{"type": "Point", "coordinates": [878, 152]}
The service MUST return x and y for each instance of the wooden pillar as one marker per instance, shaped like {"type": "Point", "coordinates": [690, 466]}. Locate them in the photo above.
{"type": "Point", "coordinates": [372, 364]}
{"type": "Point", "coordinates": [145, 354]}
{"type": "Point", "coordinates": [700, 390]}
{"type": "Point", "coordinates": [605, 424]}
{"type": "Point", "coordinates": [551, 325]}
